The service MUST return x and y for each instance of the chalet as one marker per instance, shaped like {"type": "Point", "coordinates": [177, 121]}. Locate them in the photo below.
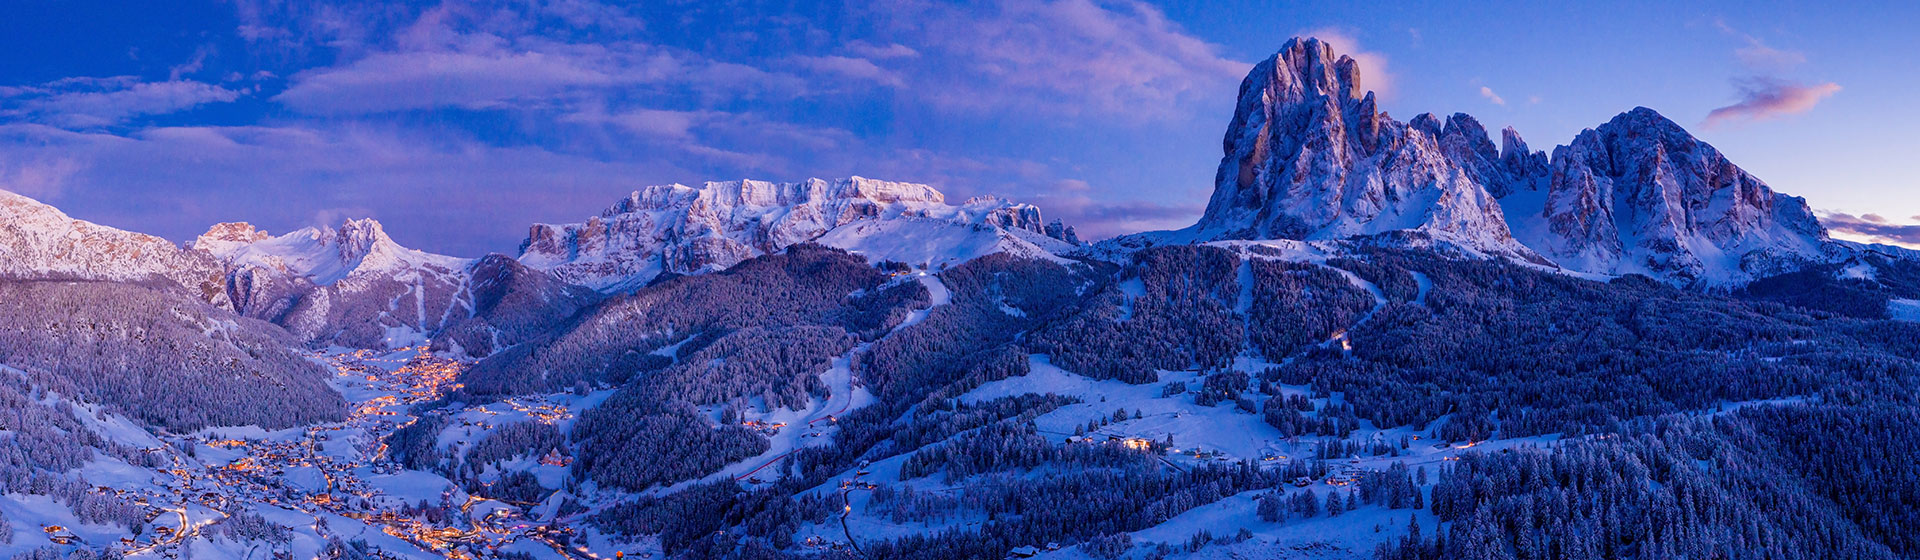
{"type": "Point", "coordinates": [553, 458]}
{"type": "Point", "coordinates": [1024, 552]}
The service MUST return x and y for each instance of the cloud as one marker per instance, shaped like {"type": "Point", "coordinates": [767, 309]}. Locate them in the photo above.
{"type": "Point", "coordinates": [1871, 228]}
{"type": "Point", "coordinates": [43, 179]}
{"type": "Point", "coordinates": [99, 102]}
{"type": "Point", "coordinates": [743, 141]}
{"type": "Point", "coordinates": [419, 80]}
{"type": "Point", "coordinates": [1094, 218]}
{"type": "Point", "coordinates": [855, 68]}
{"type": "Point", "coordinates": [1763, 98]}
{"type": "Point", "coordinates": [538, 56]}
{"type": "Point", "coordinates": [1764, 94]}
{"type": "Point", "coordinates": [1374, 74]}
{"type": "Point", "coordinates": [1758, 56]}
{"type": "Point", "coordinates": [1488, 93]}
{"type": "Point", "coordinates": [1072, 185]}
{"type": "Point", "coordinates": [1064, 57]}
{"type": "Point", "coordinates": [868, 50]}
{"type": "Point", "coordinates": [661, 124]}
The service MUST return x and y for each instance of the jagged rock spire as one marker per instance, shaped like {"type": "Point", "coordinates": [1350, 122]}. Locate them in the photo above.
{"type": "Point", "coordinates": [1308, 155]}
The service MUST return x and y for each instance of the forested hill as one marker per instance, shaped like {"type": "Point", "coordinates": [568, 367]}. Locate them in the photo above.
{"type": "Point", "coordinates": [1384, 339]}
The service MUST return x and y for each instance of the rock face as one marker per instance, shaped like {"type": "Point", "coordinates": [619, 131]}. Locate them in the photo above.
{"type": "Point", "coordinates": [38, 241]}
{"type": "Point", "coordinates": [681, 229]}
{"type": "Point", "coordinates": [1308, 156]}
{"type": "Point", "coordinates": [1641, 195]}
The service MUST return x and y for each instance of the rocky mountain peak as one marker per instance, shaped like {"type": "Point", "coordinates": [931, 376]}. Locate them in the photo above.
{"type": "Point", "coordinates": [356, 239]}
{"type": "Point", "coordinates": [1640, 194]}
{"type": "Point", "coordinates": [1308, 155]}
{"type": "Point", "coordinates": [231, 232]}
{"type": "Point", "coordinates": [1308, 70]}
{"type": "Point", "coordinates": [321, 255]}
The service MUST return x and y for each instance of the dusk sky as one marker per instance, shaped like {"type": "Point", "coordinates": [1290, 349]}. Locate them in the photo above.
{"type": "Point", "coordinates": [458, 124]}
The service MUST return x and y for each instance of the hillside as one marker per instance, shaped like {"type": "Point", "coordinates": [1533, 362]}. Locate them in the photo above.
{"type": "Point", "coordinates": [1383, 339]}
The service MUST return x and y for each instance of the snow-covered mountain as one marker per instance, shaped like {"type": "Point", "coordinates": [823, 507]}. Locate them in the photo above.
{"type": "Point", "coordinates": [679, 229]}
{"type": "Point", "coordinates": [40, 241]}
{"type": "Point", "coordinates": [1641, 195]}
{"type": "Point", "coordinates": [1309, 156]}
{"type": "Point", "coordinates": [351, 285]}
{"type": "Point", "coordinates": [322, 255]}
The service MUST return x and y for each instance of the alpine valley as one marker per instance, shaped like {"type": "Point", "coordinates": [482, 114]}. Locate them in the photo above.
{"type": "Point", "coordinates": [1384, 339]}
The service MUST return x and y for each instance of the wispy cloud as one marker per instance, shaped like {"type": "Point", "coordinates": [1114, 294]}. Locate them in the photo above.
{"type": "Point", "coordinates": [99, 102]}
{"type": "Point", "coordinates": [1488, 93]}
{"type": "Point", "coordinates": [1764, 98]}
{"type": "Point", "coordinates": [859, 69]}
{"type": "Point", "coordinates": [1764, 94]}
{"type": "Point", "coordinates": [1872, 228]}
{"type": "Point", "coordinates": [1064, 57]}
{"type": "Point", "coordinates": [42, 178]}
{"type": "Point", "coordinates": [420, 80]}
{"type": "Point", "coordinates": [872, 51]}
{"type": "Point", "coordinates": [1758, 55]}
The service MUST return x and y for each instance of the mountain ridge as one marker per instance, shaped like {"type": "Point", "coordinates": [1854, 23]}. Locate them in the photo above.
{"type": "Point", "coordinates": [680, 229]}
{"type": "Point", "coordinates": [1308, 156]}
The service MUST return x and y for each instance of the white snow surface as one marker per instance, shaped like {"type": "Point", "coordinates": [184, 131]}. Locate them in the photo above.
{"type": "Point", "coordinates": [1904, 309]}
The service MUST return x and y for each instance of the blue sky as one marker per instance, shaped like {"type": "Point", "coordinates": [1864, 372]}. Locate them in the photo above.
{"type": "Point", "coordinates": [460, 123]}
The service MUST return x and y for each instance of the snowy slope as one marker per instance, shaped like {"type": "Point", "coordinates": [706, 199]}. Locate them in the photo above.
{"type": "Point", "coordinates": [40, 241]}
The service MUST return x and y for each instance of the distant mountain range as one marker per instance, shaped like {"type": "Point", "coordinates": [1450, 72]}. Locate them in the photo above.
{"type": "Point", "coordinates": [1307, 156]}
{"type": "Point", "coordinates": [1628, 348]}
{"type": "Point", "coordinates": [681, 229]}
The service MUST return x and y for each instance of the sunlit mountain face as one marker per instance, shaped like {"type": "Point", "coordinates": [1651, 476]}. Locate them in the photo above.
{"type": "Point", "coordinates": [566, 280]}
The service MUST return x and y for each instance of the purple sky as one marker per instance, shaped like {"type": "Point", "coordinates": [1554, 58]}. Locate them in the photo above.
{"type": "Point", "coordinates": [458, 124]}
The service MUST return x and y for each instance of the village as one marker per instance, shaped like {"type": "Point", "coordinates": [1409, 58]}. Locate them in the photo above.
{"type": "Point", "coordinates": [341, 471]}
